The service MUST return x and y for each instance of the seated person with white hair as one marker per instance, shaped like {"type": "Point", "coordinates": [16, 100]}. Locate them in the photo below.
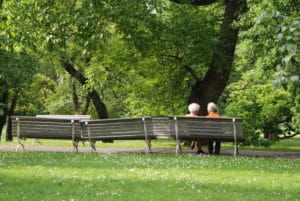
{"type": "Point", "coordinates": [194, 109]}
{"type": "Point", "coordinates": [212, 110]}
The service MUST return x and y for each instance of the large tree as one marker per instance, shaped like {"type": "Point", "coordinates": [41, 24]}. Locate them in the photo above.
{"type": "Point", "coordinates": [215, 80]}
{"type": "Point", "coordinates": [186, 41]}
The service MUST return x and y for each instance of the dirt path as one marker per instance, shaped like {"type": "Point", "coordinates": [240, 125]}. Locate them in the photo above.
{"type": "Point", "coordinates": [154, 151]}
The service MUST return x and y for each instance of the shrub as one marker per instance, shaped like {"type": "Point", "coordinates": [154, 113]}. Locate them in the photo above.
{"type": "Point", "coordinates": [261, 107]}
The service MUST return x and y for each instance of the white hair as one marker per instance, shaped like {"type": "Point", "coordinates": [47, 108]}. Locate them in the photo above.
{"type": "Point", "coordinates": [194, 107]}
{"type": "Point", "coordinates": [212, 107]}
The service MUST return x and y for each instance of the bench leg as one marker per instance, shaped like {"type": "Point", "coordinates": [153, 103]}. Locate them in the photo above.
{"type": "Point", "coordinates": [21, 143]}
{"type": "Point", "coordinates": [93, 145]}
{"type": "Point", "coordinates": [178, 147]}
{"type": "Point", "coordinates": [148, 142]}
{"type": "Point", "coordinates": [75, 145]}
{"type": "Point", "coordinates": [236, 150]}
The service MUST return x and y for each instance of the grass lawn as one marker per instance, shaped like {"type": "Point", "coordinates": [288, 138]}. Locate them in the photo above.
{"type": "Point", "coordinates": [292, 144]}
{"type": "Point", "coordinates": [84, 176]}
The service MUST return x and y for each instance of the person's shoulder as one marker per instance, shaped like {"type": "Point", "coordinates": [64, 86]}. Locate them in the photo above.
{"type": "Point", "coordinates": [213, 114]}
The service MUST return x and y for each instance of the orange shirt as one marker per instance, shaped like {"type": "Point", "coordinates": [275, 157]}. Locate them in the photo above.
{"type": "Point", "coordinates": [213, 114]}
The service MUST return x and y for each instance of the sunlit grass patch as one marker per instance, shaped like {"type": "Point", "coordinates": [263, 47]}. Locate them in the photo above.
{"type": "Point", "coordinates": [84, 176]}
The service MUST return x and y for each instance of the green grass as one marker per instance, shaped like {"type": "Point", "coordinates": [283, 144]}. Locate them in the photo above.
{"type": "Point", "coordinates": [84, 176]}
{"type": "Point", "coordinates": [292, 144]}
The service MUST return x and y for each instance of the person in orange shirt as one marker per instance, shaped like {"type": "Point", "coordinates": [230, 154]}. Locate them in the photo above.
{"type": "Point", "coordinates": [212, 110]}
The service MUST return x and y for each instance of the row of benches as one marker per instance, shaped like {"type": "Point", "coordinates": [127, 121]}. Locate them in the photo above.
{"type": "Point", "coordinates": [81, 128]}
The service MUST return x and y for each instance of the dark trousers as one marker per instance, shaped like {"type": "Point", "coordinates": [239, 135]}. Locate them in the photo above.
{"type": "Point", "coordinates": [211, 147]}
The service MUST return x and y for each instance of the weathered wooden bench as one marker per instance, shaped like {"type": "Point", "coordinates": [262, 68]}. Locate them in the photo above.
{"type": "Point", "coordinates": [48, 127]}
{"type": "Point", "coordinates": [118, 129]}
{"type": "Point", "coordinates": [78, 128]}
{"type": "Point", "coordinates": [200, 128]}
{"type": "Point", "coordinates": [164, 127]}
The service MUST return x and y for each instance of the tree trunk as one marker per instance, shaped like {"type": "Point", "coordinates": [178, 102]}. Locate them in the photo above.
{"type": "Point", "coordinates": [3, 104]}
{"type": "Point", "coordinates": [86, 105]}
{"type": "Point", "coordinates": [93, 94]}
{"type": "Point", "coordinates": [215, 80]}
{"type": "Point", "coordinates": [99, 105]}
{"type": "Point", "coordinates": [11, 110]}
{"type": "Point", "coordinates": [74, 96]}
{"type": "Point", "coordinates": [2, 123]}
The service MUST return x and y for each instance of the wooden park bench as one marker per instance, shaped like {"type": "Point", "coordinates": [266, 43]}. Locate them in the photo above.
{"type": "Point", "coordinates": [48, 127]}
{"type": "Point", "coordinates": [183, 128]}
{"type": "Point", "coordinates": [118, 129]}
{"type": "Point", "coordinates": [78, 128]}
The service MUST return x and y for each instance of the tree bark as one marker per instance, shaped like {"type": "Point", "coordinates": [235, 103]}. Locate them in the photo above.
{"type": "Point", "coordinates": [74, 96]}
{"type": "Point", "coordinates": [86, 105]}
{"type": "Point", "coordinates": [11, 110]}
{"type": "Point", "coordinates": [93, 94]}
{"type": "Point", "coordinates": [3, 104]}
{"type": "Point", "coordinates": [215, 80]}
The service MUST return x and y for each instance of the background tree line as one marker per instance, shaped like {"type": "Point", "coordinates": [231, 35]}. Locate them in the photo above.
{"type": "Point", "coordinates": [150, 57]}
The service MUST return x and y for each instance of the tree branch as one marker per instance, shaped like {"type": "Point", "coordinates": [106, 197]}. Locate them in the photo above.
{"type": "Point", "coordinates": [190, 70]}
{"type": "Point", "coordinates": [73, 72]}
{"type": "Point", "coordinates": [195, 2]}
{"type": "Point", "coordinates": [288, 136]}
{"type": "Point", "coordinates": [185, 66]}
{"type": "Point", "coordinates": [93, 94]}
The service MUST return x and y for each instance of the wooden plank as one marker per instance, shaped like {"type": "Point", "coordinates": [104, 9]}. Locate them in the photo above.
{"type": "Point", "coordinates": [163, 126]}
{"type": "Point", "coordinates": [126, 128]}
{"type": "Point", "coordinates": [68, 117]}
{"type": "Point", "coordinates": [44, 128]}
{"type": "Point", "coordinates": [205, 128]}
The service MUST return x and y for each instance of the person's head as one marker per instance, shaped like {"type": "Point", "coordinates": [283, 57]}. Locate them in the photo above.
{"type": "Point", "coordinates": [212, 107]}
{"type": "Point", "coordinates": [194, 108]}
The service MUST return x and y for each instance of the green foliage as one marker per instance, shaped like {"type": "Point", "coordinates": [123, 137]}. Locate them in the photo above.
{"type": "Point", "coordinates": [17, 69]}
{"type": "Point", "coordinates": [263, 109]}
{"type": "Point", "coordinates": [63, 31]}
{"type": "Point", "coordinates": [16, 75]}
{"type": "Point", "coordinates": [34, 98]}
{"type": "Point", "coordinates": [161, 57]}
{"type": "Point", "coordinates": [69, 176]}
{"type": "Point", "coordinates": [138, 55]}
{"type": "Point", "coordinates": [289, 73]}
{"type": "Point", "coordinates": [269, 45]}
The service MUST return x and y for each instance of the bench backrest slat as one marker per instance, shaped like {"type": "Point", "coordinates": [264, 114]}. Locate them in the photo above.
{"type": "Point", "coordinates": [46, 128]}
{"type": "Point", "coordinates": [67, 117]}
{"type": "Point", "coordinates": [125, 128]}
{"type": "Point", "coordinates": [163, 126]}
{"type": "Point", "coordinates": [209, 128]}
